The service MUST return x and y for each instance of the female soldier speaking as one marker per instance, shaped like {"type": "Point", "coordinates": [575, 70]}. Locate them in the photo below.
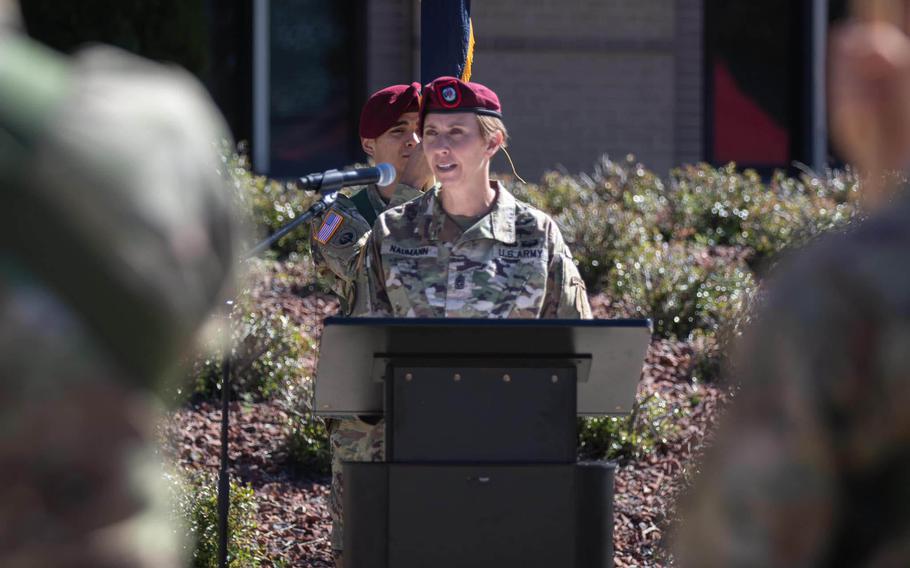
{"type": "Point", "coordinates": [468, 248]}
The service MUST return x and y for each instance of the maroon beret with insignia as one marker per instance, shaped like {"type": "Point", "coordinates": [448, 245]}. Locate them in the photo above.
{"type": "Point", "coordinates": [383, 109]}
{"type": "Point", "coordinates": [448, 94]}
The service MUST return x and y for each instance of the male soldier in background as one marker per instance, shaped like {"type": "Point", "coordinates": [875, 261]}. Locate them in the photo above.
{"type": "Point", "coordinates": [812, 465]}
{"type": "Point", "coordinates": [388, 133]}
{"type": "Point", "coordinates": [118, 239]}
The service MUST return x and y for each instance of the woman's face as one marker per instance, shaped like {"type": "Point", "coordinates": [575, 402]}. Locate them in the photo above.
{"type": "Point", "coordinates": [455, 149]}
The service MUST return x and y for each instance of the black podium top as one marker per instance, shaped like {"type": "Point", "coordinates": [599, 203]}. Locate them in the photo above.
{"type": "Point", "coordinates": [354, 352]}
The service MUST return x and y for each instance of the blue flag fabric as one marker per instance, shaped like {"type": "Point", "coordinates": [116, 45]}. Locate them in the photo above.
{"type": "Point", "coordinates": [446, 39]}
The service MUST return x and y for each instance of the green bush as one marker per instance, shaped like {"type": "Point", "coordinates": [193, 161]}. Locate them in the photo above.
{"type": "Point", "coordinates": [601, 215]}
{"type": "Point", "coordinates": [269, 356]}
{"type": "Point", "coordinates": [682, 287]}
{"type": "Point", "coordinates": [196, 504]}
{"type": "Point", "coordinates": [271, 205]}
{"type": "Point", "coordinates": [649, 427]}
{"type": "Point", "coordinates": [621, 205]}
{"type": "Point", "coordinates": [307, 445]}
{"type": "Point", "coordinates": [684, 252]}
{"type": "Point", "coordinates": [724, 207]}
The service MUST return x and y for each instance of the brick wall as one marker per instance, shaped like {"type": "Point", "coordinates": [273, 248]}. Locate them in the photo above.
{"type": "Point", "coordinates": [689, 51]}
{"type": "Point", "coordinates": [390, 26]}
{"type": "Point", "coordinates": [577, 78]}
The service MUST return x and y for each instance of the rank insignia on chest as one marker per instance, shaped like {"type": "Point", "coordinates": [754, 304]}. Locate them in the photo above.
{"type": "Point", "coordinates": [330, 225]}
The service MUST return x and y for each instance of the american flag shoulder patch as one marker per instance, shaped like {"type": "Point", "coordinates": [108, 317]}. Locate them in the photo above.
{"type": "Point", "coordinates": [330, 225]}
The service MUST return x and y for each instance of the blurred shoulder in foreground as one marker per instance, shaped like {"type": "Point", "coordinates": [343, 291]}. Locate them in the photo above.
{"type": "Point", "coordinates": [810, 466]}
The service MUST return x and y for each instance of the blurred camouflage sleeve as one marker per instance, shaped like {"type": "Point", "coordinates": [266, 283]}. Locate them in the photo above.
{"type": "Point", "coordinates": [766, 495]}
{"type": "Point", "coordinates": [811, 462]}
{"type": "Point", "coordinates": [566, 294]}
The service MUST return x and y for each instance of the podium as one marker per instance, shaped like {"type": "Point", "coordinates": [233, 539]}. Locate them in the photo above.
{"type": "Point", "coordinates": [480, 437]}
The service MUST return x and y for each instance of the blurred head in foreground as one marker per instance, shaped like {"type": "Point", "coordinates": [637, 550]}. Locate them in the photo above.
{"type": "Point", "coordinates": [119, 238]}
{"type": "Point", "coordinates": [811, 463]}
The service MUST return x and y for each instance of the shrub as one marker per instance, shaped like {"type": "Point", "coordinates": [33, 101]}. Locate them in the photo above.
{"type": "Point", "coordinates": [601, 215]}
{"type": "Point", "coordinates": [269, 355]}
{"type": "Point", "coordinates": [724, 207]}
{"type": "Point", "coordinates": [196, 504]}
{"type": "Point", "coordinates": [307, 445]}
{"type": "Point", "coordinates": [270, 205]}
{"type": "Point", "coordinates": [682, 287]}
{"type": "Point", "coordinates": [621, 206]}
{"type": "Point", "coordinates": [650, 426]}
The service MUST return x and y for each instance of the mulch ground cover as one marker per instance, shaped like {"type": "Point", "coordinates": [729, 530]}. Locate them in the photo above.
{"type": "Point", "coordinates": [292, 515]}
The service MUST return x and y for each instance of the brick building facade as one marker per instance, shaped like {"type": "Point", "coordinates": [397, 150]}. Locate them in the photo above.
{"type": "Point", "coordinates": [671, 81]}
{"type": "Point", "coordinates": [577, 78]}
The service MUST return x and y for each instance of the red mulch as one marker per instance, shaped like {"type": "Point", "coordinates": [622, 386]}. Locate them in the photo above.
{"type": "Point", "coordinates": [293, 516]}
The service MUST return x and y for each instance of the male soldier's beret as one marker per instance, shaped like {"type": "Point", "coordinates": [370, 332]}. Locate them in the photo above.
{"type": "Point", "coordinates": [448, 94]}
{"type": "Point", "coordinates": [383, 109]}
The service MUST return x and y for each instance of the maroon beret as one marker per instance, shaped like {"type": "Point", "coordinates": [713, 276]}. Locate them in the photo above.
{"type": "Point", "coordinates": [383, 109]}
{"type": "Point", "coordinates": [448, 94]}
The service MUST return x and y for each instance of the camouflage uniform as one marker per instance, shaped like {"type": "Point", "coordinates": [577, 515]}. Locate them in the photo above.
{"type": "Point", "coordinates": [812, 465]}
{"type": "Point", "coordinates": [335, 251]}
{"type": "Point", "coordinates": [118, 239]}
{"type": "Point", "coordinates": [512, 263]}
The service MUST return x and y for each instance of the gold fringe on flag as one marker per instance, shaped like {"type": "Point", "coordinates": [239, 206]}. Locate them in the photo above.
{"type": "Point", "coordinates": [469, 60]}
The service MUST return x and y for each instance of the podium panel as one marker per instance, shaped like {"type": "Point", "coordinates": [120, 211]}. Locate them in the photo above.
{"type": "Point", "coordinates": [496, 516]}
{"type": "Point", "coordinates": [504, 411]}
{"type": "Point", "coordinates": [608, 355]}
{"type": "Point", "coordinates": [480, 437]}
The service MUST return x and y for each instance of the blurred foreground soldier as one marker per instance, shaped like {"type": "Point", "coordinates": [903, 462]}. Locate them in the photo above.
{"type": "Point", "coordinates": [812, 465]}
{"type": "Point", "coordinates": [117, 237]}
{"type": "Point", "coordinates": [388, 126]}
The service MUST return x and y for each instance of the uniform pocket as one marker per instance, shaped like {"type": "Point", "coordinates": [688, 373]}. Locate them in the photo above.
{"type": "Point", "coordinates": [521, 286]}
{"type": "Point", "coordinates": [416, 287]}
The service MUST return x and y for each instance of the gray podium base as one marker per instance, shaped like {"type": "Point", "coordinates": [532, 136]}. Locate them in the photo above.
{"type": "Point", "coordinates": [522, 516]}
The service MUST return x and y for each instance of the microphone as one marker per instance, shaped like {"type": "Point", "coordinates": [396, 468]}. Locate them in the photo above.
{"type": "Point", "coordinates": [382, 175]}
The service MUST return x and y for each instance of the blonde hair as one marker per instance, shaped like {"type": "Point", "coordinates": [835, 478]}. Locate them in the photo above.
{"type": "Point", "coordinates": [489, 125]}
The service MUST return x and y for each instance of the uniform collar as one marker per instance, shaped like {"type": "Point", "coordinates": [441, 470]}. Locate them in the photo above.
{"type": "Point", "coordinates": [376, 200]}
{"type": "Point", "coordinates": [498, 224]}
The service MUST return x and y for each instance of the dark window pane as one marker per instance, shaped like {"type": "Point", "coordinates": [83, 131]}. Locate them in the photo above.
{"type": "Point", "coordinates": [752, 60]}
{"type": "Point", "coordinates": [316, 84]}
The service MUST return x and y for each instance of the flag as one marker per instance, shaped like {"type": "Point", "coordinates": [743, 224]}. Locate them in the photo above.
{"type": "Point", "coordinates": [329, 227]}
{"type": "Point", "coordinates": [446, 39]}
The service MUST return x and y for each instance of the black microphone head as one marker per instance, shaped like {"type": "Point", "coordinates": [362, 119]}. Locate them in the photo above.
{"type": "Point", "coordinates": [386, 174]}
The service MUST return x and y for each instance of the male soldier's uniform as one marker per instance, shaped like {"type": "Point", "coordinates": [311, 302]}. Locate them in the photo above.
{"type": "Point", "coordinates": [118, 239]}
{"type": "Point", "coordinates": [336, 240]}
{"type": "Point", "coordinates": [339, 234]}
{"type": "Point", "coordinates": [812, 466]}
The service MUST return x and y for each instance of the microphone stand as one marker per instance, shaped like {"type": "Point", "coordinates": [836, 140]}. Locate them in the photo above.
{"type": "Point", "coordinates": [329, 193]}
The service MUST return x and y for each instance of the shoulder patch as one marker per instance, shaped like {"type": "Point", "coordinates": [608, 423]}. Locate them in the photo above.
{"type": "Point", "coordinates": [330, 225]}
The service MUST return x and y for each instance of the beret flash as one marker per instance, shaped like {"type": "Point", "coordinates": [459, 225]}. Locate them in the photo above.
{"type": "Point", "coordinates": [448, 94]}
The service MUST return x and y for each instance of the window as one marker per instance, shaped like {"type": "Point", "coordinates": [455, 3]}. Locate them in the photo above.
{"type": "Point", "coordinates": [315, 86]}
{"type": "Point", "coordinates": [753, 61]}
